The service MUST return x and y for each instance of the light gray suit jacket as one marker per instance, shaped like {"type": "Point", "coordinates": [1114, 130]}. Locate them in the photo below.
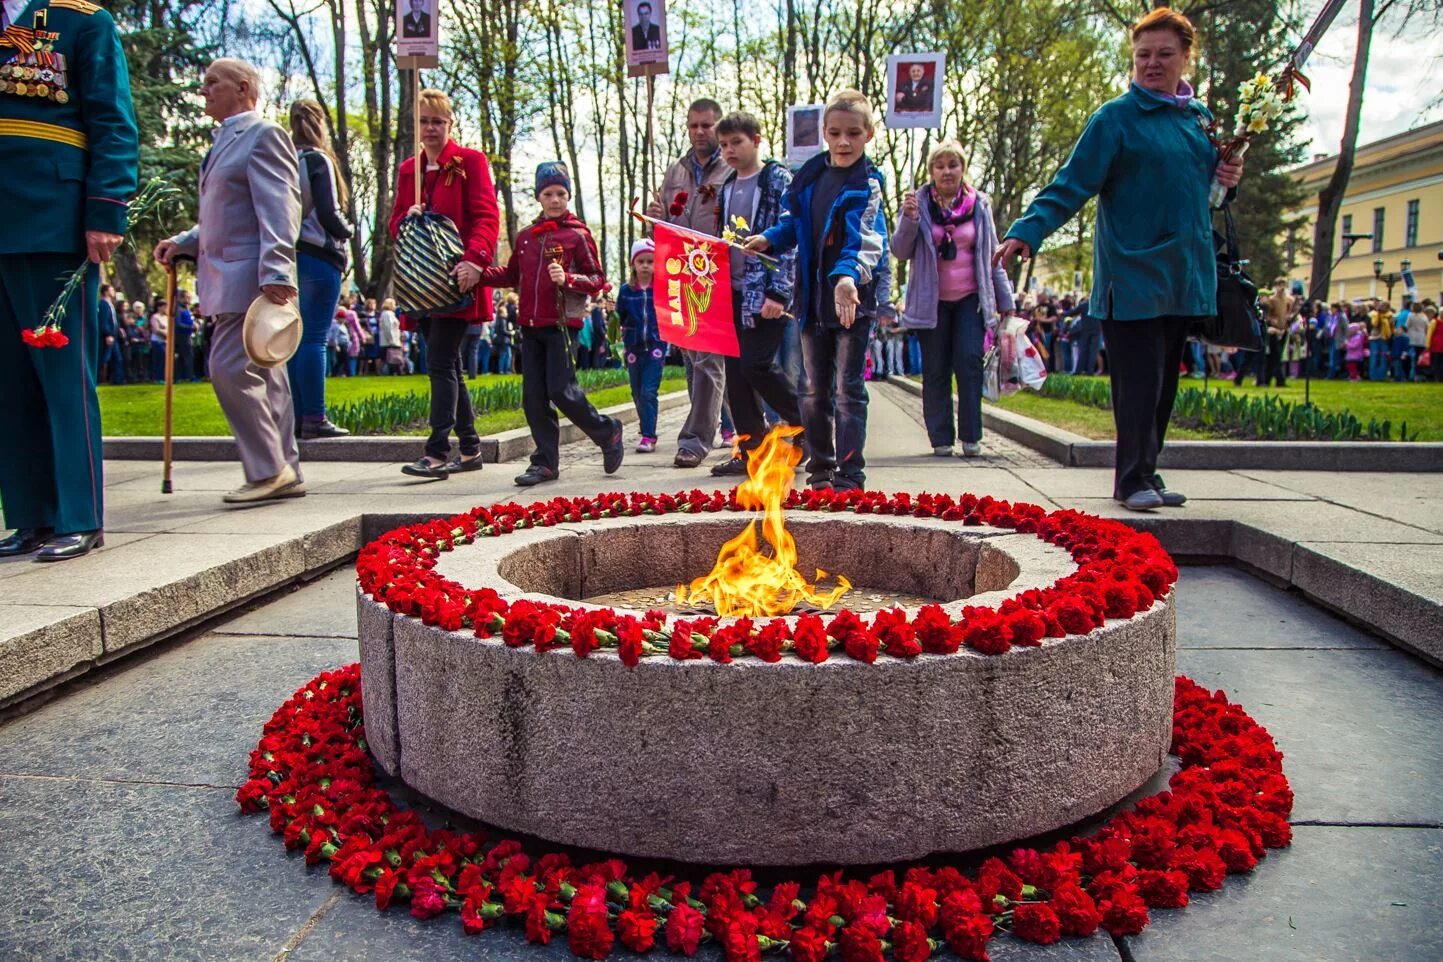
{"type": "Point", "coordinates": [250, 215]}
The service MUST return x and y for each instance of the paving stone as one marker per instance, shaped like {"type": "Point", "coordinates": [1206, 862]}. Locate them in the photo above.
{"type": "Point", "coordinates": [1358, 729]}
{"type": "Point", "coordinates": [1337, 895]}
{"type": "Point", "coordinates": [1197, 485]}
{"type": "Point", "coordinates": [1221, 607]}
{"type": "Point", "coordinates": [325, 606]}
{"type": "Point", "coordinates": [26, 564]}
{"type": "Point", "coordinates": [1321, 521]}
{"type": "Point", "coordinates": [40, 642]}
{"type": "Point", "coordinates": [145, 872]}
{"type": "Point", "coordinates": [1395, 587]}
{"type": "Point", "coordinates": [190, 714]}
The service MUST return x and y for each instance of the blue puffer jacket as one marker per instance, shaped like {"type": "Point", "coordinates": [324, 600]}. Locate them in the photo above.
{"type": "Point", "coordinates": [857, 214]}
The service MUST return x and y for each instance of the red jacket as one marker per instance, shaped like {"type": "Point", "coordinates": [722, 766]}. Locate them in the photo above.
{"type": "Point", "coordinates": [462, 190]}
{"type": "Point", "coordinates": [537, 244]}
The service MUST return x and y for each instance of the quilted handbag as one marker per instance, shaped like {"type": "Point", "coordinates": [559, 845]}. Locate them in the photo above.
{"type": "Point", "coordinates": [428, 248]}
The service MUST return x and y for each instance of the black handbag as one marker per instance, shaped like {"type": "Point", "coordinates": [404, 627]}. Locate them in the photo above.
{"type": "Point", "coordinates": [1239, 318]}
{"type": "Point", "coordinates": [428, 248]}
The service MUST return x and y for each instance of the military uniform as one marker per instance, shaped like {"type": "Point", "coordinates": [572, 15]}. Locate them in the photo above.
{"type": "Point", "coordinates": [70, 149]}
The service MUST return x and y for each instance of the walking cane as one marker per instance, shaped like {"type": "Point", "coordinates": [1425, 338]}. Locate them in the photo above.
{"type": "Point", "coordinates": [165, 487]}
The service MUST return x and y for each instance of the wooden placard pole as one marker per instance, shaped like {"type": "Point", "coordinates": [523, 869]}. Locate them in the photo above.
{"type": "Point", "coordinates": [415, 65]}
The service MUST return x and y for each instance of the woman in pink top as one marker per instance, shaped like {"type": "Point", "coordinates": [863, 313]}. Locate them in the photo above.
{"type": "Point", "coordinates": [954, 294]}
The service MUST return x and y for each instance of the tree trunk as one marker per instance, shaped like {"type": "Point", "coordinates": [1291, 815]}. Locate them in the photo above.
{"type": "Point", "coordinates": [1330, 199]}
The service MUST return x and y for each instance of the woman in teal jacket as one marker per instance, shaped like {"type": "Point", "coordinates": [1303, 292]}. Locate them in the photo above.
{"type": "Point", "coordinates": [1147, 157]}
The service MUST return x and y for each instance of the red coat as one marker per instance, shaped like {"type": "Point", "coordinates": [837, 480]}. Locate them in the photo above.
{"type": "Point", "coordinates": [462, 190]}
{"type": "Point", "coordinates": [566, 239]}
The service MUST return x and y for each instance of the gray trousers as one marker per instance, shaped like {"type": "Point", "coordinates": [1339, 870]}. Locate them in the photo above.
{"type": "Point", "coordinates": [708, 390]}
{"type": "Point", "coordinates": [256, 401]}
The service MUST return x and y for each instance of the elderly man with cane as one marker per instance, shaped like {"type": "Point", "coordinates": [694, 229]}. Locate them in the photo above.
{"type": "Point", "coordinates": [245, 249]}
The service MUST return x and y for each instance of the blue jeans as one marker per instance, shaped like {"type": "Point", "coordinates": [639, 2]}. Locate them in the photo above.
{"type": "Point", "coordinates": [112, 360]}
{"type": "Point", "coordinates": [1377, 359]}
{"type": "Point", "coordinates": [483, 356]}
{"type": "Point", "coordinates": [789, 356]}
{"type": "Point", "coordinates": [157, 360]}
{"type": "Point", "coordinates": [503, 359]}
{"type": "Point", "coordinates": [834, 405]}
{"type": "Point", "coordinates": [320, 290]}
{"type": "Point", "coordinates": [953, 350]}
{"type": "Point", "coordinates": [914, 354]}
{"type": "Point", "coordinates": [643, 368]}
{"type": "Point", "coordinates": [1085, 341]}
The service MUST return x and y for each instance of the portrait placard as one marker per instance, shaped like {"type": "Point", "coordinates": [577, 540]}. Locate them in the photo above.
{"type": "Point", "coordinates": [644, 27]}
{"type": "Point", "coordinates": [914, 90]}
{"type": "Point", "coordinates": [418, 30]}
{"type": "Point", "coordinates": [804, 132]}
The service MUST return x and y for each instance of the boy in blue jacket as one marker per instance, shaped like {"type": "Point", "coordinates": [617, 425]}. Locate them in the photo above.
{"type": "Point", "coordinates": [832, 215]}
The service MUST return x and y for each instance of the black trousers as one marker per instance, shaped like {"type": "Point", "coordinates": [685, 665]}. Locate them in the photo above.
{"type": "Point", "coordinates": [1142, 362]}
{"type": "Point", "coordinates": [548, 377]}
{"type": "Point", "coordinates": [1273, 372]}
{"type": "Point", "coordinates": [450, 401]}
{"type": "Point", "coordinates": [755, 373]}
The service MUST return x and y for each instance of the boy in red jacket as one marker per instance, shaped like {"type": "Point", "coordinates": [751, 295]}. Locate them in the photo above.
{"type": "Point", "coordinates": [554, 267]}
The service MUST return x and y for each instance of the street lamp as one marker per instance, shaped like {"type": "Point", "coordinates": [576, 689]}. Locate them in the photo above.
{"type": "Point", "coordinates": [1390, 278]}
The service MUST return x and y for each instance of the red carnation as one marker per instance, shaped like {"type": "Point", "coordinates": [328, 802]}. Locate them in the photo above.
{"type": "Point", "coordinates": [684, 926]}
{"type": "Point", "coordinates": [739, 939]}
{"type": "Point", "coordinates": [1235, 851]}
{"type": "Point", "coordinates": [860, 944]}
{"type": "Point", "coordinates": [1036, 922]}
{"type": "Point", "coordinates": [678, 204]}
{"type": "Point", "coordinates": [917, 903]}
{"type": "Point", "coordinates": [896, 634]}
{"type": "Point", "coordinates": [1125, 913]}
{"type": "Point", "coordinates": [857, 641]}
{"type": "Point", "coordinates": [629, 640]}
{"type": "Point", "coordinates": [808, 945]}
{"type": "Point", "coordinates": [1076, 911]}
{"type": "Point", "coordinates": [809, 639]}
{"type": "Point", "coordinates": [910, 942]}
{"type": "Point", "coordinates": [426, 899]}
{"type": "Point", "coordinates": [935, 631]}
{"type": "Point", "coordinates": [968, 938]}
{"type": "Point", "coordinates": [1162, 890]}
{"type": "Point", "coordinates": [588, 932]}
{"type": "Point", "coordinates": [767, 643]}
{"type": "Point", "coordinates": [680, 646]}
{"type": "Point", "coordinates": [637, 929]}
{"type": "Point", "coordinates": [984, 630]}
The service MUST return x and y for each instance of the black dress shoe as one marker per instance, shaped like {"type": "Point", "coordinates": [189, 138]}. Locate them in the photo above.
{"type": "Point", "coordinates": [730, 467]}
{"type": "Point", "coordinates": [63, 547]}
{"type": "Point", "coordinates": [534, 475]}
{"type": "Point", "coordinates": [323, 428]}
{"type": "Point", "coordinates": [613, 450]}
{"type": "Point", "coordinates": [458, 463]}
{"type": "Point", "coordinates": [24, 541]}
{"type": "Point", "coordinates": [425, 469]}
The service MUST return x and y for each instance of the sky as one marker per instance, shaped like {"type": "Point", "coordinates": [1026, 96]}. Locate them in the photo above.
{"type": "Point", "coordinates": [1405, 74]}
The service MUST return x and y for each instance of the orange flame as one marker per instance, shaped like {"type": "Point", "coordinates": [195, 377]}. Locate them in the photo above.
{"type": "Point", "coordinates": [745, 581]}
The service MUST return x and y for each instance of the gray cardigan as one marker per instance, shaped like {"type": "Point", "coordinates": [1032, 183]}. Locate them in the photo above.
{"type": "Point", "coordinates": [920, 310]}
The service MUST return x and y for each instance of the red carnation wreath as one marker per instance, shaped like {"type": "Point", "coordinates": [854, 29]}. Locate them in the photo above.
{"type": "Point", "coordinates": [1225, 807]}
{"type": "Point", "coordinates": [1120, 572]}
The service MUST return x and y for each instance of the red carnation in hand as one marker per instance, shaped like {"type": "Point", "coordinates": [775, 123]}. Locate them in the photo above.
{"type": "Point", "coordinates": [684, 926]}
{"type": "Point", "coordinates": [678, 204]}
{"type": "Point", "coordinates": [1036, 922]}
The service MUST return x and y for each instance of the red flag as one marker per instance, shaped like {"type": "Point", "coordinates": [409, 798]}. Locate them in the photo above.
{"type": "Point", "coordinates": [693, 291]}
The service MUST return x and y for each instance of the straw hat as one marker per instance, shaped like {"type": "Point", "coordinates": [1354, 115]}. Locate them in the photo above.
{"type": "Point", "coordinates": [271, 332]}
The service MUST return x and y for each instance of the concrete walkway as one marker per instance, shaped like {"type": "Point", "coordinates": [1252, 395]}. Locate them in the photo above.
{"type": "Point", "coordinates": [116, 789]}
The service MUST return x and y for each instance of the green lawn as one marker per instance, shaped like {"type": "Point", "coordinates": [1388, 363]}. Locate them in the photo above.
{"type": "Point", "coordinates": [129, 410]}
{"type": "Point", "coordinates": [1420, 405]}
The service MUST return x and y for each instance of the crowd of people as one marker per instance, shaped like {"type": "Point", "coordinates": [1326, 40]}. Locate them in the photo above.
{"type": "Point", "coordinates": [812, 322]}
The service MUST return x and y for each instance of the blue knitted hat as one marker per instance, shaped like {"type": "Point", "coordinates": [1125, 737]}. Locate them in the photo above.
{"type": "Point", "coordinates": [552, 173]}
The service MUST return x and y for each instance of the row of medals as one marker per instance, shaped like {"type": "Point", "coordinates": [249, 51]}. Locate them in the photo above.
{"type": "Point", "coordinates": [27, 80]}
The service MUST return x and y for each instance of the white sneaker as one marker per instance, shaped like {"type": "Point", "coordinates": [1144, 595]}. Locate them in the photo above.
{"type": "Point", "coordinates": [942, 450]}
{"type": "Point", "coordinates": [283, 485]}
{"type": "Point", "coordinates": [1144, 500]}
{"type": "Point", "coordinates": [970, 449]}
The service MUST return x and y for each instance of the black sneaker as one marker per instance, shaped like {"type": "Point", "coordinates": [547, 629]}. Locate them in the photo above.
{"type": "Point", "coordinates": [613, 450]}
{"type": "Point", "coordinates": [536, 474]}
{"type": "Point", "coordinates": [730, 467]}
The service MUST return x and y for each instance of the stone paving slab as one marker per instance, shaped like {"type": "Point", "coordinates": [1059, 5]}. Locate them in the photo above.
{"type": "Point", "coordinates": [139, 872]}
{"type": "Point", "coordinates": [1396, 588]}
{"type": "Point", "coordinates": [189, 715]}
{"type": "Point", "coordinates": [1256, 615]}
{"type": "Point", "coordinates": [1197, 485]}
{"type": "Point", "coordinates": [323, 607]}
{"type": "Point", "coordinates": [1358, 730]}
{"type": "Point", "coordinates": [41, 642]}
{"type": "Point", "coordinates": [1337, 895]}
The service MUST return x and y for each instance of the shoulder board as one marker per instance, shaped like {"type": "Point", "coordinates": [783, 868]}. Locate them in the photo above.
{"type": "Point", "coordinates": [79, 6]}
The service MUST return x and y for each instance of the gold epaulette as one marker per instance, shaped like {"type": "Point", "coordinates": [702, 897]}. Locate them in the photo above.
{"type": "Point", "coordinates": [79, 6]}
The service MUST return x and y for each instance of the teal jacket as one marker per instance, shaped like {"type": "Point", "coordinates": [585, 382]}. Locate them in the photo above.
{"type": "Point", "coordinates": [68, 140]}
{"type": "Point", "coordinates": [1150, 165]}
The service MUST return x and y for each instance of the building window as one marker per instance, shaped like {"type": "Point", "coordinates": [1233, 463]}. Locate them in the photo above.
{"type": "Point", "coordinates": [1347, 229]}
{"type": "Point", "coordinates": [1377, 230]}
{"type": "Point", "coordinates": [1410, 232]}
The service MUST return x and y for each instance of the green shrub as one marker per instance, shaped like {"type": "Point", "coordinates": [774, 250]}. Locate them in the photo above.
{"type": "Point", "coordinates": [397, 413]}
{"type": "Point", "coordinates": [1240, 416]}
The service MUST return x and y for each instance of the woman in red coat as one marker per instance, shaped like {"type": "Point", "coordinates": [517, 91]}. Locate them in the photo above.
{"type": "Point", "coordinates": [456, 183]}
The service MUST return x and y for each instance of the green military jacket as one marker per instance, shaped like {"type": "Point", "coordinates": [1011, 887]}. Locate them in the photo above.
{"type": "Point", "coordinates": [1150, 165]}
{"type": "Point", "coordinates": [68, 140]}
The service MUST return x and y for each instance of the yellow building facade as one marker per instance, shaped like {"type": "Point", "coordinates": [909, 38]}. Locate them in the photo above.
{"type": "Point", "coordinates": [1396, 194]}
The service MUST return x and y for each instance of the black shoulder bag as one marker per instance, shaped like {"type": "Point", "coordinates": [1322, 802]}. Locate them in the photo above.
{"type": "Point", "coordinates": [1239, 318]}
